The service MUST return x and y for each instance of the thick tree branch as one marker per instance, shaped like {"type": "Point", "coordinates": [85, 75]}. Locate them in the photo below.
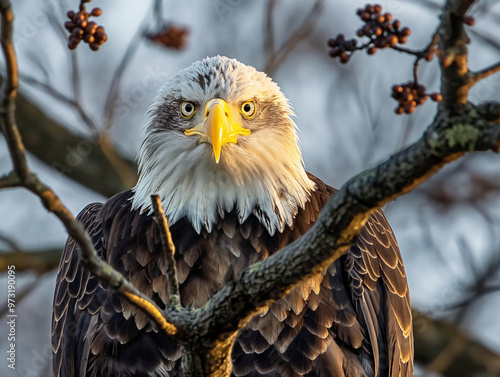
{"type": "Point", "coordinates": [452, 44]}
{"type": "Point", "coordinates": [79, 158]}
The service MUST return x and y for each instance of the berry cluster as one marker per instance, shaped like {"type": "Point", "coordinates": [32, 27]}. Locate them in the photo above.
{"type": "Point", "coordinates": [82, 29]}
{"type": "Point", "coordinates": [170, 36]}
{"type": "Point", "coordinates": [411, 95]}
{"type": "Point", "coordinates": [380, 28]}
{"type": "Point", "coordinates": [341, 48]}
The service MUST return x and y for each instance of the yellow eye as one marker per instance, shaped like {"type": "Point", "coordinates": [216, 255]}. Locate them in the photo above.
{"type": "Point", "coordinates": [187, 109]}
{"type": "Point", "coordinates": [248, 109]}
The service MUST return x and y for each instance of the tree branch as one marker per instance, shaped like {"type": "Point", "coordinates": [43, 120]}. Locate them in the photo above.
{"type": "Point", "coordinates": [10, 85]}
{"type": "Point", "coordinates": [275, 58]}
{"type": "Point", "coordinates": [453, 49]}
{"type": "Point", "coordinates": [169, 248]}
{"type": "Point", "coordinates": [39, 261]}
{"type": "Point", "coordinates": [79, 158]}
{"type": "Point", "coordinates": [486, 72]}
{"type": "Point", "coordinates": [470, 359]}
{"type": "Point", "coordinates": [114, 88]}
{"type": "Point", "coordinates": [25, 178]}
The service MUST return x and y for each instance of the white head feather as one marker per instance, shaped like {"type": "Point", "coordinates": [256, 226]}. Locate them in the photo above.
{"type": "Point", "coordinates": [262, 174]}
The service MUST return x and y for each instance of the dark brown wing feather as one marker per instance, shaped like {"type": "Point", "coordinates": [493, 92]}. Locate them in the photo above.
{"type": "Point", "coordinates": [75, 295]}
{"type": "Point", "coordinates": [353, 318]}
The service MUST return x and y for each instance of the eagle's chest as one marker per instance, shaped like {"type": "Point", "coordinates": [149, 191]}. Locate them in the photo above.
{"type": "Point", "coordinates": [209, 260]}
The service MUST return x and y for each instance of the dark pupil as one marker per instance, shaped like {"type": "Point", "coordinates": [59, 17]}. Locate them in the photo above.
{"type": "Point", "coordinates": [247, 108]}
{"type": "Point", "coordinates": [188, 108]}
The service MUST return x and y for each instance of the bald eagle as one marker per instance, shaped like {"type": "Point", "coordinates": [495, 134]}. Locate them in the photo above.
{"type": "Point", "coordinates": [221, 151]}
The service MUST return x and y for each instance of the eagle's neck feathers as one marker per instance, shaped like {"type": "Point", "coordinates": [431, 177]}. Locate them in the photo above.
{"type": "Point", "coordinates": [272, 185]}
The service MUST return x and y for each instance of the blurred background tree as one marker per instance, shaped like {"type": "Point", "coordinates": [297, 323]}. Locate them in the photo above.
{"type": "Point", "coordinates": [81, 114]}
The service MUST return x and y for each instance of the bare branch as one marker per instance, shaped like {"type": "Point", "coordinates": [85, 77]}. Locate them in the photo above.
{"type": "Point", "coordinates": [9, 127]}
{"type": "Point", "coordinates": [40, 261]}
{"type": "Point", "coordinates": [114, 89]}
{"type": "Point", "coordinates": [269, 32]}
{"type": "Point", "coordinates": [486, 72]}
{"type": "Point", "coordinates": [453, 47]}
{"type": "Point", "coordinates": [169, 248]}
{"type": "Point", "coordinates": [73, 102]}
{"type": "Point", "coordinates": [489, 40]}
{"type": "Point", "coordinates": [11, 243]}
{"type": "Point", "coordinates": [122, 168]}
{"type": "Point", "coordinates": [432, 336]}
{"type": "Point", "coordinates": [25, 178]}
{"type": "Point", "coordinates": [9, 181]}
{"type": "Point", "coordinates": [151, 309]}
{"type": "Point", "coordinates": [275, 58]}
{"type": "Point", "coordinates": [448, 355]}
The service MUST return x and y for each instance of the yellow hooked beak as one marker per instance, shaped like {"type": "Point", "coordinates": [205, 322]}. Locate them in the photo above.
{"type": "Point", "coordinates": [218, 127]}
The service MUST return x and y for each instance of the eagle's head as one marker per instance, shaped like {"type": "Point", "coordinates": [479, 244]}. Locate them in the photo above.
{"type": "Point", "coordinates": [220, 138]}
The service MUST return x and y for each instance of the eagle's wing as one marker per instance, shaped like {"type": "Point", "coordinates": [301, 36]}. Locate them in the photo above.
{"type": "Point", "coordinates": [76, 294]}
{"type": "Point", "coordinates": [353, 320]}
{"type": "Point", "coordinates": [95, 332]}
{"type": "Point", "coordinates": [382, 297]}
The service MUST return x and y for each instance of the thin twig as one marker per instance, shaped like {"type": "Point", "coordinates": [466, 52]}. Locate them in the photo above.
{"type": "Point", "coordinates": [127, 176]}
{"type": "Point", "coordinates": [332, 234]}
{"type": "Point", "coordinates": [488, 39]}
{"type": "Point", "coordinates": [307, 26]}
{"type": "Point", "coordinates": [269, 31]}
{"type": "Point", "coordinates": [486, 72]}
{"type": "Point", "coordinates": [114, 88]}
{"type": "Point", "coordinates": [158, 13]}
{"type": "Point", "coordinates": [49, 89]}
{"type": "Point", "coordinates": [169, 248]}
{"type": "Point", "coordinates": [428, 49]}
{"type": "Point", "coordinates": [11, 243]}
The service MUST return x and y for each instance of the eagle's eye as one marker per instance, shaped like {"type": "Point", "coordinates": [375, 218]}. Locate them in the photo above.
{"type": "Point", "coordinates": [248, 109]}
{"type": "Point", "coordinates": [187, 109]}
